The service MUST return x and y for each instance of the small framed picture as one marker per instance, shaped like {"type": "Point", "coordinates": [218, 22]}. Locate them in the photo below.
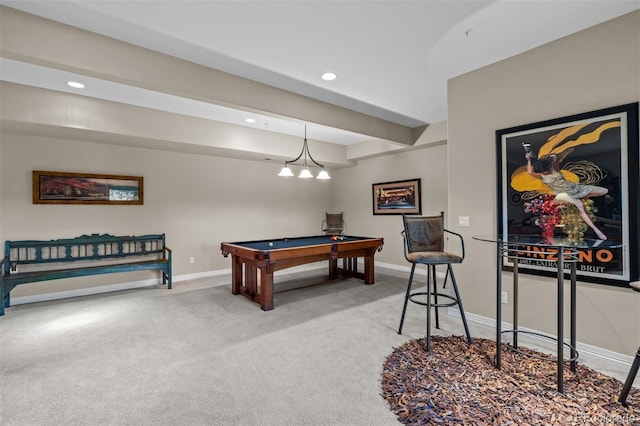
{"type": "Point", "coordinates": [399, 197]}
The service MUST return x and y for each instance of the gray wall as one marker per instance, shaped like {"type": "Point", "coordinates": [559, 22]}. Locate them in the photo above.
{"type": "Point", "coordinates": [589, 70]}
{"type": "Point", "coordinates": [353, 194]}
{"type": "Point", "coordinates": [197, 200]}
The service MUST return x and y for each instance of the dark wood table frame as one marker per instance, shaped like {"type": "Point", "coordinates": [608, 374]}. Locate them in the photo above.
{"type": "Point", "coordinates": [252, 269]}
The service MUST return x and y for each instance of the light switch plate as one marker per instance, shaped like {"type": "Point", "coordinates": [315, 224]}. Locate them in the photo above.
{"type": "Point", "coordinates": [463, 220]}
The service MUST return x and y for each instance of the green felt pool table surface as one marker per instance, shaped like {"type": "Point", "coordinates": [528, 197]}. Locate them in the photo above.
{"type": "Point", "coordinates": [282, 243]}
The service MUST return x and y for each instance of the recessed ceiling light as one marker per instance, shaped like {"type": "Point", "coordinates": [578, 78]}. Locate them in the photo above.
{"type": "Point", "coordinates": [75, 84]}
{"type": "Point", "coordinates": [250, 120]}
{"type": "Point", "coordinates": [328, 76]}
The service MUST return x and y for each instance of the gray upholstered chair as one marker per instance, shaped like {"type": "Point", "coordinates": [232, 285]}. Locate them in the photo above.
{"type": "Point", "coordinates": [424, 244]}
{"type": "Point", "coordinates": [634, 367]}
{"type": "Point", "coordinates": [333, 224]}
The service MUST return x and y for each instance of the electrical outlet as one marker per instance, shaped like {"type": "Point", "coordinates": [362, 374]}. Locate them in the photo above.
{"type": "Point", "coordinates": [505, 298]}
{"type": "Point", "coordinates": [463, 220]}
{"type": "Point", "coordinates": [192, 260]}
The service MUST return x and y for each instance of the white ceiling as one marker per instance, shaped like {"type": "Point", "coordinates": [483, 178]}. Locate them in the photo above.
{"type": "Point", "coordinates": [392, 57]}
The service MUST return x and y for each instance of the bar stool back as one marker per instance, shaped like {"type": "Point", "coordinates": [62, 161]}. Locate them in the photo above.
{"type": "Point", "coordinates": [333, 224]}
{"type": "Point", "coordinates": [424, 244]}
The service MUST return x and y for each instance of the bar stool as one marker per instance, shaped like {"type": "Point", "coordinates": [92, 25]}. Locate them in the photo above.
{"type": "Point", "coordinates": [333, 224]}
{"type": "Point", "coordinates": [634, 367]}
{"type": "Point", "coordinates": [424, 244]}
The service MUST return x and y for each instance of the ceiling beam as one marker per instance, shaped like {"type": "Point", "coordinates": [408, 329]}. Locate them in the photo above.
{"type": "Point", "coordinates": [26, 109]}
{"type": "Point", "coordinates": [40, 41]}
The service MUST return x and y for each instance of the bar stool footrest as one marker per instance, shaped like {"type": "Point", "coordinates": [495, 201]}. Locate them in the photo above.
{"type": "Point", "coordinates": [453, 302]}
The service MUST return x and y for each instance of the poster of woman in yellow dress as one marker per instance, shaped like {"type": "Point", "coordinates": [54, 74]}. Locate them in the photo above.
{"type": "Point", "coordinates": [575, 179]}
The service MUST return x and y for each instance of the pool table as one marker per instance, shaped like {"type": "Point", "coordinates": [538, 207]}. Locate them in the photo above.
{"type": "Point", "coordinates": [254, 262]}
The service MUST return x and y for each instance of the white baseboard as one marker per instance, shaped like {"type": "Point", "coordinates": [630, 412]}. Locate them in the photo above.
{"type": "Point", "coordinates": [546, 343]}
{"type": "Point", "coordinates": [603, 354]}
{"type": "Point", "coordinates": [44, 297]}
{"type": "Point", "coordinates": [89, 291]}
{"type": "Point", "coordinates": [400, 268]}
{"type": "Point", "coordinates": [198, 275]}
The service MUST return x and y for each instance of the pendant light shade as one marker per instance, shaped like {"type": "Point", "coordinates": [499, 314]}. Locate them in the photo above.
{"type": "Point", "coordinates": [323, 175]}
{"type": "Point", "coordinates": [286, 171]}
{"type": "Point", "coordinates": [305, 173]}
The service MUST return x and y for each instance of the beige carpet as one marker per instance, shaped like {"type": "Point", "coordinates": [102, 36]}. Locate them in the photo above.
{"type": "Point", "coordinates": [197, 355]}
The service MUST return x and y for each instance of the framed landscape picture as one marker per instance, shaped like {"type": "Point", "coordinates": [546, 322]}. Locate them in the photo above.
{"type": "Point", "coordinates": [576, 178]}
{"type": "Point", "coordinates": [86, 188]}
{"type": "Point", "coordinates": [399, 197]}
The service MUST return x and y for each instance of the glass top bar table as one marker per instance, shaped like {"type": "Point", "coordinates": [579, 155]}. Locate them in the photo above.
{"type": "Point", "coordinates": [558, 252]}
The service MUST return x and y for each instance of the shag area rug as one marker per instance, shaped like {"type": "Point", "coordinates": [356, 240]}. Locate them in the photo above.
{"type": "Point", "coordinates": [457, 383]}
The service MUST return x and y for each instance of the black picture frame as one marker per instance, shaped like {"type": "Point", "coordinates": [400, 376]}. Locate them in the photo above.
{"type": "Point", "coordinates": [86, 188]}
{"type": "Point", "coordinates": [597, 148]}
{"type": "Point", "coordinates": [397, 197]}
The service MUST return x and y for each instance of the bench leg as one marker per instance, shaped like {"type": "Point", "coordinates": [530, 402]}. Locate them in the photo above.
{"type": "Point", "coordinates": [4, 303]}
{"type": "Point", "coordinates": [169, 270]}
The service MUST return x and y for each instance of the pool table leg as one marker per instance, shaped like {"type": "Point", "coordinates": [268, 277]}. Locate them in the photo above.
{"type": "Point", "coordinates": [369, 271]}
{"type": "Point", "coordinates": [266, 287]}
{"type": "Point", "coordinates": [236, 275]}
{"type": "Point", "coordinates": [250, 282]}
{"type": "Point", "coordinates": [333, 269]}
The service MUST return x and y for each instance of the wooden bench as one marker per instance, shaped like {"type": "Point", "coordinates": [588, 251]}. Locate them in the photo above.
{"type": "Point", "coordinates": [35, 261]}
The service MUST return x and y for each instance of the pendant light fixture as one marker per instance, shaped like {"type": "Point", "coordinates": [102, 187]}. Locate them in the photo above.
{"type": "Point", "coordinates": [305, 173]}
